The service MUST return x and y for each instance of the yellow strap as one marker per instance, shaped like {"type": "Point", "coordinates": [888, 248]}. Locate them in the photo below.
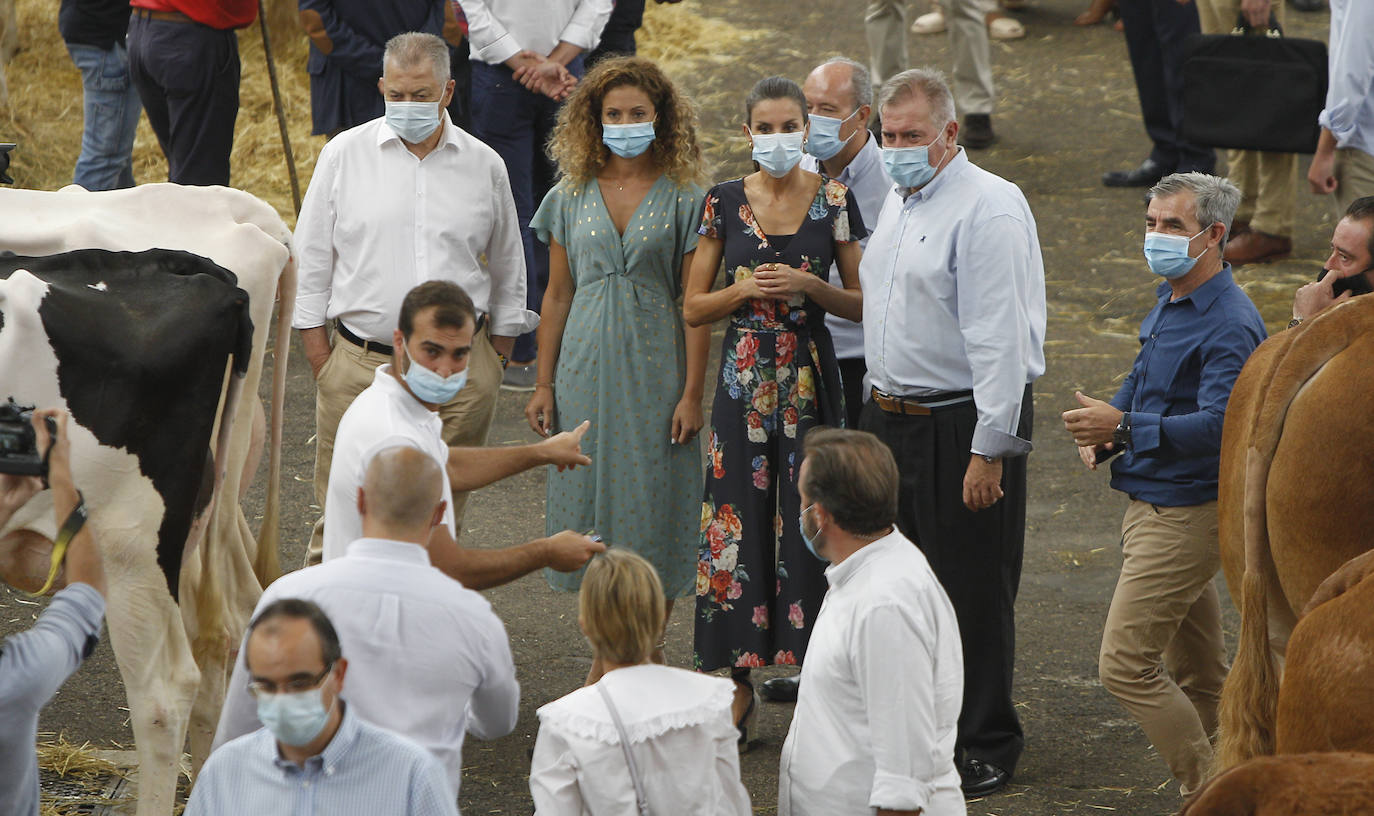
{"type": "Point", "coordinates": [76, 519]}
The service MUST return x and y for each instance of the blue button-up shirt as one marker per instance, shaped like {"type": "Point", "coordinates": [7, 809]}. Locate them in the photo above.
{"type": "Point", "coordinates": [364, 770]}
{"type": "Point", "coordinates": [1191, 351]}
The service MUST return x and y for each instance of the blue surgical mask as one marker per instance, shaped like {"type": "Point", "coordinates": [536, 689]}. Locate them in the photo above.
{"type": "Point", "coordinates": [806, 539]}
{"type": "Point", "coordinates": [412, 121]}
{"type": "Point", "coordinates": [909, 166]}
{"type": "Point", "coordinates": [628, 141]}
{"type": "Point", "coordinates": [296, 718]}
{"type": "Point", "coordinates": [1168, 255]}
{"type": "Point", "coordinates": [428, 386]}
{"type": "Point", "coordinates": [778, 153]}
{"type": "Point", "coordinates": [824, 140]}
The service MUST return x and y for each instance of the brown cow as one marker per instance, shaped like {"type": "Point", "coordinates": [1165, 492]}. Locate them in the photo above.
{"type": "Point", "coordinates": [1297, 463]}
{"type": "Point", "coordinates": [1326, 700]}
{"type": "Point", "coordinates": [1298, 785]}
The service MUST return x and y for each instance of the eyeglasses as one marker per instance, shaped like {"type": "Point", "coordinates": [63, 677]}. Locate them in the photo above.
{"type": "Point", "coordinates": [259, 688]}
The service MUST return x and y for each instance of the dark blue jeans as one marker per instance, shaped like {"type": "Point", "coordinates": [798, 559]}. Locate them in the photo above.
{"type": "Point", "coordinates": [517, 123]}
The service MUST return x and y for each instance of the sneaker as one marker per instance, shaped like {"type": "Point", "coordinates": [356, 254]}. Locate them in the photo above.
{"type": "Point", "coordinates": [519, 378]}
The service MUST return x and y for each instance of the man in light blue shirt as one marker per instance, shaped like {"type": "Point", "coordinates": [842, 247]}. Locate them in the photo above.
{"type": "Point", "coordinates": [954, 326]}
{"type": "Point", "coordinates": [314, 756]}
{"type": "Point", "coordinates": [1344, 162]}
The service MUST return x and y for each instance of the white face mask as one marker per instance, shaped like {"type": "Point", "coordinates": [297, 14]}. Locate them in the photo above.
{"type": "Point", "coordinates": [778, 153]}
{"type": "Point", "coordinates": [295, 719]}
{"type": "Point", "coordinates": [412, 121]}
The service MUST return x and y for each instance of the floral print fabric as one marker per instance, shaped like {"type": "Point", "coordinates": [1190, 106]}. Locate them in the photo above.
{"type": "Point", "coordinates": [758, 588]}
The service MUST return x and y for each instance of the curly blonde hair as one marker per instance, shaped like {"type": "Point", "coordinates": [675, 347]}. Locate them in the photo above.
{"type": "Point", "coordinates": [576, 141]}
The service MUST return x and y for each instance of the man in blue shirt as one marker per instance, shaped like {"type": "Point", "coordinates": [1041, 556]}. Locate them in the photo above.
{"type": "Point", "coordinates": [314, 756]}
{"type": "Point", "coordinates": [1162, 651]}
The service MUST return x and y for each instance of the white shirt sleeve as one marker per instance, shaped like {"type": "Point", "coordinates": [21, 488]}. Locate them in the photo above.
{"type": "Point", "coordinates": [994, 265]}
{"type": "Point", "coordinates": [553, 776]}
{"type": "Point", "coordinates": [495, 704]}
{"type": "Point", "coordinates": [491, 42]}
{"type": "Point", "coordinates": [314, 242]}
{"type": "Point", "coordinates": [890, 648]}
{"type": "Point", "coordinates": [1351, 81]}
{"type": "Point", "coordinates": [734, 798]}
{"type": "Point", "coordinates": [584, 29]}
{"type": "Point", "coordinates": [506, 263]}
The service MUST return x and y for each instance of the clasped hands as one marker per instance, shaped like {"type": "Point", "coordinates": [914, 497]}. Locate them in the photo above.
{"type": "Point", "coordinates": [542, 75]}
{"type": "Point", "coordinates": [776, 281]}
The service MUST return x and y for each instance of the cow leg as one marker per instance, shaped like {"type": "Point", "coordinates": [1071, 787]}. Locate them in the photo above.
{"type": "Point", "coordinates": [212, 654]}
{"type": "Point", "coordinates": [255, 446]}
{"type": "Point", "coordinates": [154, 658]}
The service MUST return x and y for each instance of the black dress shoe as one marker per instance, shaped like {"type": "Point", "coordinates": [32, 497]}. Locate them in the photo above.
{"type": "Point", "coordinates": [1308, 5]}
{"type": "Point", "coordinates": [781, 689]}
{"type": "Point", "coordinates": [977, 132]}
{"type": "Point", "coordinates": [1146, 175]}
{"type": "Point", "coordinates": [978, 778]}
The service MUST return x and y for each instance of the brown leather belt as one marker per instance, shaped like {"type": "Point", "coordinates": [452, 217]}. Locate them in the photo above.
{"type": "Point", "coordinates": [912, 406]}
{"type": "Point", "coordinates": [165, 16]}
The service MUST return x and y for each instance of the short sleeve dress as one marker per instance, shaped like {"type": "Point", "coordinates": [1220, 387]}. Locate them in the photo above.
{"type": "Point", "coordinates": [621, 365]}
{"type": "Point", "coordinates": [758, 588]}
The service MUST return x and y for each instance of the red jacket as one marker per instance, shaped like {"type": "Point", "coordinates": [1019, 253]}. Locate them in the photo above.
{"type": "Point", "coordinates": [219, 14]}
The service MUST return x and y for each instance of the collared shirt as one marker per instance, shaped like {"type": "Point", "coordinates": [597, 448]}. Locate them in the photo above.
{"type": "Point", "coordinates": [384, 415]}
{"type": "Point", "coordinates": [498, 29]}
{"type": "Point", "coordinates": [393, 609]}
{"type": "Point", "coordinates": [377, 221]}
{"type": "Point", "coordinates": [1349, 113]}
{"type": "Point", "coordinates": [33, 666]}
{"type": "Point", "coordinates": [954, 298]}
{"type": "Point", "coordinates": [1191, 351]}
{"type": "Point", "coordinates": [363, 771]}
{"type": "Point", "coordinates": [880, 692]}
{"type": "Point", "coordinates": [681, 735]}
{"type": "Point", "coordinates": [867, 179]}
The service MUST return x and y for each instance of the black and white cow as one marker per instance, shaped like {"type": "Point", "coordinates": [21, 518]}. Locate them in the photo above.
{"type": "Point", "coordinates": [150, 351]}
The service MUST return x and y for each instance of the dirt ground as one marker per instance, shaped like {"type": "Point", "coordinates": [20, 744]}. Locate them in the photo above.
{"type": "Point", "coordinates": [1067, 111]}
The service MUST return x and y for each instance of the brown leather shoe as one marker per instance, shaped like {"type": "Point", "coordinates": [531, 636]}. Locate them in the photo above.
{"type": "Point", "coordinates": [1239, 228]}
{"type": "Point", "coordinates": [1257, 247]}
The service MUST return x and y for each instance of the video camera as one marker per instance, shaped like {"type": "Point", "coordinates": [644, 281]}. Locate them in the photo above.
{"type": "Point", "coordinates": [19, 443]}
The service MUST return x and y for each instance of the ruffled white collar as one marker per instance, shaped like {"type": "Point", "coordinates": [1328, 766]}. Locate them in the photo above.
{"type": "Point", "coordinates": [652, 700]}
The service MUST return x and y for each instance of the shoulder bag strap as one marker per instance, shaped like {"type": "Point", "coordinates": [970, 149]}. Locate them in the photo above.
{"type": "Point", "coordinates": [640, 799]}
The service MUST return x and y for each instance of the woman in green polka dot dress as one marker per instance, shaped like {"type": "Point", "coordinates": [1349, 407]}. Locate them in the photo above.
{"type": "Point", "coordinates": [621, 230]}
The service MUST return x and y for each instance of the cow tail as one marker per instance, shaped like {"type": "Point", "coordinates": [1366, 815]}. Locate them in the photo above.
{"type": "Point", "coordinates": [266, 565]}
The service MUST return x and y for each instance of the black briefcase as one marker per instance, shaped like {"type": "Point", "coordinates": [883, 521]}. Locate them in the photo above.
{"type": "Point", "coordinates": [1253, 91]}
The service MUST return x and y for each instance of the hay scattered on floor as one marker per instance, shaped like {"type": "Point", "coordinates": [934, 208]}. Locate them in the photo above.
{"type": "Point", "coordinates": [86, 776]}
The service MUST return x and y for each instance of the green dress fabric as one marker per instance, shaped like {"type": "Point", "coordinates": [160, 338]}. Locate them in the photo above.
{"type": "Point", "coordinates": [621, 365]}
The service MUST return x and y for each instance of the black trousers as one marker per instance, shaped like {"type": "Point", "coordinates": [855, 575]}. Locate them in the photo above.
{"type": "Point", "coordinates": [976, 556]}
{"type": "Point", "coordinates": [852, 373]}
{"type": "Point", "coordinates": [187, 76]}
{"type": "Point", "coordinates": [618, 37]}
{"type": "Point", "coordinates": [1155, 34]}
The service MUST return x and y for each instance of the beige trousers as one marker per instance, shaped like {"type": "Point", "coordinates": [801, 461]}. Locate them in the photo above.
{"type": "Point", "coordinates": [1354, 177]}
{"type": "Point", "coordinates": [350, 369]}
{"type": "Point", "coordinates": [1268, 182]}
{"type": "Point", "coordinates": [1162, 651]}
{"type": "Point", "coordinates": [886, 22]}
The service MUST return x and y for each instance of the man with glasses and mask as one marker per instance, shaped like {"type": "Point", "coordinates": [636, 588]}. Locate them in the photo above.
{"type": "Point", "coordinates": [1162, 653]}
{"type": "Point", "coordinates": [1349, 269]}
{"type": "Point", "coordinates": [395, 202]}
{"type": "Point", "coordinates": [393, 608]}
{"type": "Point", "coordinates": [315, 752]}
{"type": "Point", "coordinates": [954, 324]}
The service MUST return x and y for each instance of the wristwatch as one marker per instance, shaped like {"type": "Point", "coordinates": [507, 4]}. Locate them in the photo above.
{"type": "Point", "coordinates": [991, 460]}
{"type": "Point", "coordinates": [1121, 437]}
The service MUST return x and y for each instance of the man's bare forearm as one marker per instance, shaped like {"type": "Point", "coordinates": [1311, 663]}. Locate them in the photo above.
{"type": "Point", "coordinates": [473, 468]}
{"type": "Point", "coordinates": [481, 568]}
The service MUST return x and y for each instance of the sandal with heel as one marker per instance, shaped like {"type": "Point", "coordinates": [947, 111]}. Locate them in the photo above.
{"type": "Point", "coordinates": [746, 721]}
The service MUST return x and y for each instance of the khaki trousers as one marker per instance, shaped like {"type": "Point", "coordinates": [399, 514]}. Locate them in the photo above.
{"type": "Point", "coordinates": [1162, 651]}
{"type": "Point", "coordinates": [1268, 182]}
{"type": "Point", "coordinates": [1354, 177]}
{"type": "Point", "coordinates": [886, 22]}
{"type": "Point", "coordinates": [350, 369]}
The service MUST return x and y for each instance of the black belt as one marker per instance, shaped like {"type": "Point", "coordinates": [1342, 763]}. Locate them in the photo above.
{"type": "Point", "coordinates": [919, 406]}
{"type": "Point", "coordinates": [165, 16]}
{"type": "Point", "coordinates": [370, 345]}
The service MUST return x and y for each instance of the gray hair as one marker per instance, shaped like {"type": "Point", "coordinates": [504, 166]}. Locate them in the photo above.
{"type": "Point", "coordinates": [858, 80]}
{"type": "Point", "coordinates": [413, 49]}
{"type": "Point", "coordinates": [928, 82]}
{"type": "Point", "coordinates": [1214, 199]}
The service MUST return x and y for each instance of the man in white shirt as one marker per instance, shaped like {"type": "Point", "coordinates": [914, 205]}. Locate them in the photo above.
{"type": "Point", "coordinates": [429, 358]}
{"type": "Point", "coordinates": [954, 326]}
{"type": "Point", "coordinates": [839, 101]}
{"type": "Point", "coordinates": [876, 719]}
{"type": "Point", "coordinates": [1344, 162]}
{"type": "Point", "coordinates": [392, 609]}
{"type": "Point", "coordinates": [394, 202]}
{"type": "Point", "coordinates": [526, 56]}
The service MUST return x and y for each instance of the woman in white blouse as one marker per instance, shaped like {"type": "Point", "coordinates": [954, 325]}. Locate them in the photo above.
{"type": "Point", "coordinates": [680, 735]}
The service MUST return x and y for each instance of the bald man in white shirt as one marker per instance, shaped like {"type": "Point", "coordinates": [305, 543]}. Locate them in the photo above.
{"type": "Point", "coordinates": [393, 203]}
